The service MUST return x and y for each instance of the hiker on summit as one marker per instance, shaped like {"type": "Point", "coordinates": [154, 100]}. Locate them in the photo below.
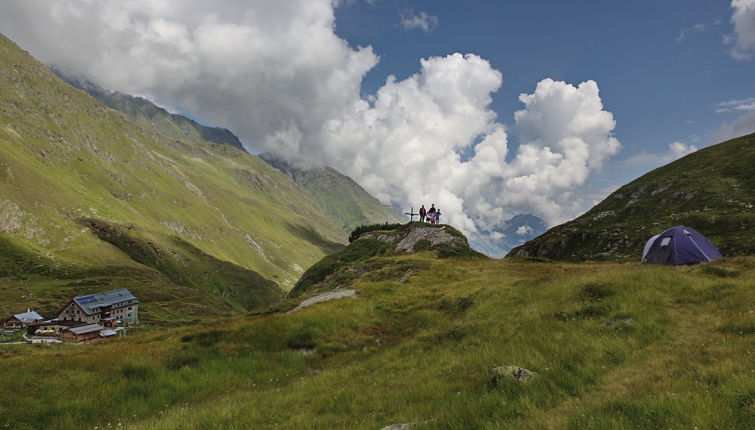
{"type": "Point", "coordinates": [422, 213]}
{"type": "Point", "coordinates": [431, 214]}
{"type": "Point", "coordinates": [437, 217]}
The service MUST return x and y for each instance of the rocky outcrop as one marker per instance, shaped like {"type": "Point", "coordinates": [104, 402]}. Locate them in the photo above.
{"type": "Point", "coordinates": [334, 295]}
{"type": "Point", "coordinates": [435, 236]}
{"type": "Point", "coordinates": [510, 372]}
{"type": "Point", "coordinates": [410, 237]}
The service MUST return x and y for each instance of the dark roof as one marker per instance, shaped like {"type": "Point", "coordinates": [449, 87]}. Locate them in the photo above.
{"type": "Point", "coordinates": [91, 304]}
{"type": "Point", "coordinates": [66, 323]}
{"type": "Point", "coordinates": [89, 328]}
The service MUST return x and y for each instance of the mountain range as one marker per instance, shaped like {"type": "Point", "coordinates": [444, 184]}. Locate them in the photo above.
{"type": "Point", "coordinates": [340, 196]}
{"type": "Point", "coordinates": [516, 231]}
{"type": "Point", "coordinates": [147, 200]}
{"type": "Point", "coordinates": [406, 327]}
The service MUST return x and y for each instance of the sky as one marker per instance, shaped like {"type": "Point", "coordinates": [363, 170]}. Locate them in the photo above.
{"type": "Point", "coordinates": [486, 108]}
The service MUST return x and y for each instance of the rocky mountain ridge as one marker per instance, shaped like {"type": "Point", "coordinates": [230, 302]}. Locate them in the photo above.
{"type": "Point", "coordinates": [339, 196]}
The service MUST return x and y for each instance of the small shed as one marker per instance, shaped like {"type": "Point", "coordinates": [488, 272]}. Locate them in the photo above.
{"type": "Point", "coordinates": [82, 333]}
{"type": "Point", "coordinates": [108, 333]}
{"type": "Point", "coordinates": [23, 320]}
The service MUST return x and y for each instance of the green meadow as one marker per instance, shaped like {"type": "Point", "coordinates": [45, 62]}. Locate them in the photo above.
{"type": "Point", "coordinates": [613, 346]}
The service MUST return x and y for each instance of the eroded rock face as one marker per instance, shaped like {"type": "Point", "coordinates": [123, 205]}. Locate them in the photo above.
{"type": "Point", "coordinates": [435, 236]}
{"type": "Point", "coordinates": [378, 236]}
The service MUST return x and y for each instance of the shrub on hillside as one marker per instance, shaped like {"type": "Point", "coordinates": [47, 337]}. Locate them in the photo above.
{"type": "Point", "coordinates": [422, 245]}
{"type": "Point", "coordinates": [362, 229]}
{"type": "Point", "coordinates": [134, 371]}
{"type": "Point", "coordinates": [446, 250]}
{"type": "Point", "coordinates": [596, 292]}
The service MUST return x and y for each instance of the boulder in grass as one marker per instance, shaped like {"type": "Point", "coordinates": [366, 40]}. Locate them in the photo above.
{"type": "Point", "coordinates": [513, 372]}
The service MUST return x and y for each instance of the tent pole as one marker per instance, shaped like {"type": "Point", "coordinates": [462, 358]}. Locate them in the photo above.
{"type": "Point", "coordinates": [698, 248]}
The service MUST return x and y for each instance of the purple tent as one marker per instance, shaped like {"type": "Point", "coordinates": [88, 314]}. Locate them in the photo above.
{"type": "Point", "coordinates": [679, 245]}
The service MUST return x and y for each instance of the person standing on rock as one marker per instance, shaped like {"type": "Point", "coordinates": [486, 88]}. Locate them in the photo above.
{"type": "Point", "coordinates": [422, 213]}
{"type": "Point", "coordinates": [431, 213]}
{"type": "Point", "coordinates": [437, 217]}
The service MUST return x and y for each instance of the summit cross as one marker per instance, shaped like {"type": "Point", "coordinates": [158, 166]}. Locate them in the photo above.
{"type": "Point", "coordinates": [411, 214]}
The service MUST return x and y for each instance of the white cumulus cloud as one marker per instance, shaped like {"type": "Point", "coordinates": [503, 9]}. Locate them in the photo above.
{"type": "Point", "coordinates": [277, 75]}
{"type": "Point", "coordinates": [404, 144]}
{"type": "Point", "coordinates": [273, 72]}
{"type": "Point", "coordinates": [676, 150]}
{"type": "Point", "coordinates": [410, 21]}
{"type": "Point", "coordinates": [742, 126]}
{"type": "Point", "coordinates": [743, 19]}
{"type": "Point", "coordinates": [524, 230]}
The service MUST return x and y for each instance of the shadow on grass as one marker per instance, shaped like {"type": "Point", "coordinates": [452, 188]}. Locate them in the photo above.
{"type": "Point", "coordinates": [313, 237]}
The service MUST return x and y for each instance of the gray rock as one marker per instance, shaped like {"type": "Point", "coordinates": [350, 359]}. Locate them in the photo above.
{"type": "Point", "coordinates": [513, 372]}
{"type": "Point", "coordinates": [435, 235]}
{"type": "Point", "coordinates": [406, 276]}
{"type": "Point", "coordinates": [613, 323]}
{"type": "Point", "coordinates": [398, 427]}
{"type": "Point", "coordinates": [334, 295]}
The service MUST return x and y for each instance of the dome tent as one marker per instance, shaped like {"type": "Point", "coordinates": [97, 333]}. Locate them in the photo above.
{"type": "Point", "coordinates": [679, 245]}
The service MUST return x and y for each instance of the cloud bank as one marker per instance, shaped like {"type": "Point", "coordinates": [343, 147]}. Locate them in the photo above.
{"type": "Point", "coordinates": [743, 19]}
{"type": "Point", "coordinates": [277, 75]}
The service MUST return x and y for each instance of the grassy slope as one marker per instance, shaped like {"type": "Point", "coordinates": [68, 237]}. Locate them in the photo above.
{"type": "Point", "coordinates": [153, 117]}
{"type": "Point", "coordinates": [340, 196]}
{"type": "Point", "coordinates": [64, 157]}
{"type": "Point", "coordinates": [422, 351]}
{"type": "Point", "coordinates": [711, 190]}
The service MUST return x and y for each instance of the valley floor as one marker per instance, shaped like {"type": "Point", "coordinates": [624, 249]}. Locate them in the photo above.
{"type": "Point", "coordinates": [612, 346]}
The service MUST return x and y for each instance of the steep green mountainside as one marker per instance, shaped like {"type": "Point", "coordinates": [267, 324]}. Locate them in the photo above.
{"type": "Point", "coordinates": [153, 117]}
{"type": "Point", "coordinates": [340, 196]}
{"type": "Point", "coordinates": [711, 191]}
{"type": "Point", "coordinates": [66, 160]}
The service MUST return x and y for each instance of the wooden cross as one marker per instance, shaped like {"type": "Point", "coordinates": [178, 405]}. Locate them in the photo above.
{"type": "Point", "coordinates": [411, 214]}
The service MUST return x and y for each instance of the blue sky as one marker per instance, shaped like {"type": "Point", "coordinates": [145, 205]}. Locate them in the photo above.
{"type": "Point", "coordinates": [486, 108]}
{"type": "Point", "coordinates": [662, 66]}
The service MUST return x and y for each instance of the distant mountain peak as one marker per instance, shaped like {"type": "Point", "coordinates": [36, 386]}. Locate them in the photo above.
{"type": "Point", "coordinates": [517, 230]}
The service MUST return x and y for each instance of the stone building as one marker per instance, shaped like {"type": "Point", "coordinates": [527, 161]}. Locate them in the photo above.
{"type": "Point", "coordinates": [106, 309]}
